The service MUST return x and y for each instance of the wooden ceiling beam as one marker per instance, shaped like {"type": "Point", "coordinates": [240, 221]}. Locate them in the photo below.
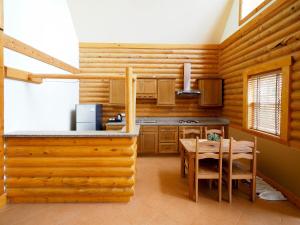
{"type": "Point", "coordinates": [20, 75]}
{"type": "Point", "coordinates": [75, 76]}
{"type": "Point", "coordinates": [20, 47]}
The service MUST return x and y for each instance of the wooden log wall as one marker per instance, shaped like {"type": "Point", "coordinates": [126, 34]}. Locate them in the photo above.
{"type": "Point", "coordinates": [273, 35]}
{"type": "Point", "coordinates": [70, 169]}
{"type": "Point", "coordinates": [160, 61]}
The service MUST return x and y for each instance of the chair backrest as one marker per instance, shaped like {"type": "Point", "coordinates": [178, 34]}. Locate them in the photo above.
{"type": "Point", "coordinates": [220, 132]}
{"type": "Point", "coordinates": [192, 132]}
{"type": "Point", "coordinates": [206, 148]}
{"type": "Point", "coordinates": [243, 150]}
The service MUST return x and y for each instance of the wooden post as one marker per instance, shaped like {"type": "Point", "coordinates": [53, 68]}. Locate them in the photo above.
{"type": "Point", "coordinates": [129, 100]}
{"type": "Point", "coordinates": [2, 193]}
{"type": "Point", "coordinates": [134, 80]}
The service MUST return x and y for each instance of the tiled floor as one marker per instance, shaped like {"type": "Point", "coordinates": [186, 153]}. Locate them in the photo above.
{"type": "Point", "coordinates": [160, 199]}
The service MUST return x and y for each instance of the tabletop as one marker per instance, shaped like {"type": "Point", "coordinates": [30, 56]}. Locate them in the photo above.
{"type": "Point", "coordinates": [190, 145]}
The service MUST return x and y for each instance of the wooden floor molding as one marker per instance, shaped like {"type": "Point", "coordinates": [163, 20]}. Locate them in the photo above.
{"type": "Point", "coordinates": [2, 200]}
{"type": "Point", "coordinates": [288, 194]}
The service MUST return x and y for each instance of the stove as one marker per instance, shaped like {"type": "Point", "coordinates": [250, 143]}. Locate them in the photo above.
{"type": "Point", "coordinates": [188, 121]}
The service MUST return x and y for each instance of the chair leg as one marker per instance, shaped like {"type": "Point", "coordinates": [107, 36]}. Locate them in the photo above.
{"type": "Point", "coordinates": [210, 184]}
{"type": "Point", "coordinates": [220, 189]}
{"type": "Point", "coordinates": [253, 190]}
{"type": "Point", "coordinates": [196, 190]}
{"type": "Point", "coordinates": [229, 190]}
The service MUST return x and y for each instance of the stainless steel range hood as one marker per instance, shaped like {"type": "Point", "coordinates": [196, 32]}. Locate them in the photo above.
{"type": "Point", "coordinates": [187, 91]}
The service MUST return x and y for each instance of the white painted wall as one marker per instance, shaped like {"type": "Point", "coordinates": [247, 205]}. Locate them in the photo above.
{"type": "Point", "coordinates": [150, 21]}
{"type": "Point", "coordinates": [47, 26]}
{"type": "Point", "coordinates": [232, 23]}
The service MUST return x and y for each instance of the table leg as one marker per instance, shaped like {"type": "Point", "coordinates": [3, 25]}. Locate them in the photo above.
{"type": "Point", "coordinates": [191, 177]}
{"type": "Point", "coordinates": [182, 161]}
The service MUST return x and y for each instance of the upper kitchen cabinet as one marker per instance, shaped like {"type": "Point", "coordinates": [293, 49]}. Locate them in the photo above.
{"type": "Point", "coordinates": [211, 92]}
{"type": "Point", "coordinates": [117, 92]}
{"type": "Point", "coordinates": [166, 92]}
{"type": "Point", "coordinates": [146, 88]}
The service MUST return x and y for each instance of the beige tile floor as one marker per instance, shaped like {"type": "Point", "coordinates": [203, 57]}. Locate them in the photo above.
{"type": "Point", "coordinates": [160, 199]}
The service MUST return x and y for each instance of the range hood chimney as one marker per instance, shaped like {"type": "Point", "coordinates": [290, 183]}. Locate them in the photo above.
{"type": "Point", "coordinates": [187, 91]}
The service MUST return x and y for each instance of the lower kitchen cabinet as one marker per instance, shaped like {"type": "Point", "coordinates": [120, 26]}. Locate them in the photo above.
{"type": "Point", "coordinates": [168, 139]}
{"type": "Point", "coordinates": [165, 139]}
{"type": "Point", "coordinates": [168, 147]}
{"type": "Point", "coordinates": [148, 140]}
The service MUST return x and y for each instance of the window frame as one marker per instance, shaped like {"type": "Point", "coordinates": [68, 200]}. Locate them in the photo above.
{"type": "Point", "coordinates": [282, 64]}
{"type": "Point", "coordinates": [252, 13]}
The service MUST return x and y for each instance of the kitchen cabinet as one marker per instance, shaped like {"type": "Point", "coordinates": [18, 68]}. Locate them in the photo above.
{"type": "Point", "coordinates": [146, 88]}
{"type": "Point", "coordinates": [148, 139]}
{"type": "Point", "coordinates": [166, 92]}
{"type": "Point", "coordinates": [117, 92]}
{"type": "Point", "coordinates": [168, 139]}
{"type": "Point", "coordinates": [211, 92]}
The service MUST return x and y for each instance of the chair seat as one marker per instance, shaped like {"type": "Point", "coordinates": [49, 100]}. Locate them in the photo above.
{"type": "Point", "coordinates": [206, 171]}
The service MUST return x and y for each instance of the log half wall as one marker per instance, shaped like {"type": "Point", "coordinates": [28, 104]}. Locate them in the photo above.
{"type": "Point", "coordinates": [69, 169]}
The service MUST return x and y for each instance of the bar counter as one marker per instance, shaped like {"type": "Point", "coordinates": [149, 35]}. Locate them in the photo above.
{"type": "Point", "coordinates": [70, 166]}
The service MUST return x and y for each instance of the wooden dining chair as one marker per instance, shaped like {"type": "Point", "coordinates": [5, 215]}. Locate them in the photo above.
{"type": "Point", "coordinates": [208, 171]}
{"type": "Point", "coordinates": [190, 132]}
{"type": "Point", "coordinates": [236, 170]}
{"type": "Point", "coordinates": [220, 132]}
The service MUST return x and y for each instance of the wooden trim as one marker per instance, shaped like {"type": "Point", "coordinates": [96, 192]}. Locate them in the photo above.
{"type": "Point", "coordinates": [252, 13]}
{"type": "Point", "coordinates": [283, 64]}
{"type": "Point", "coordinates": [20, 47]}
{"type": "Point", "coordinates": [255, 22]}
{"type": "Point", "coordinates": [20, 75]}
{"type": "Point", "coordinates": [147, 46]}
{"type": "Point", "coordinates": [77, 76]}
{"type": "Point", "coordinates": [3, 200]}
{"type": "Point", "coordinates": [288, 194]}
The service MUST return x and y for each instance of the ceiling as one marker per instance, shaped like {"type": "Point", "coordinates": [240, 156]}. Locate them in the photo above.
{"type": "Point", "coordinates": [150, 21]}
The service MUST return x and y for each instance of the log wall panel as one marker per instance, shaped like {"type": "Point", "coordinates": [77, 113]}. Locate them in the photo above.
{"type": "Point", "coordinates": [160, 61]}
{"type": "Point", "coordinates": [70, 169]}
{"type": "Point", "coordinates": [269, 39]}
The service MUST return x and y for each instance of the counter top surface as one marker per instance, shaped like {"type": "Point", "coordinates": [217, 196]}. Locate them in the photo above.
{"type": "Point", "coordinates": [174, 121]}
{"type": "Point", "coordinates": [101, 133]}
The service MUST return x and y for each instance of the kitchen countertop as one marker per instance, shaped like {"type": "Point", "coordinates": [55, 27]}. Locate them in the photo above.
{"type": "Point", "coordinates": [101, 133]}
{"type": "Point", "coordinates": [174, 121]}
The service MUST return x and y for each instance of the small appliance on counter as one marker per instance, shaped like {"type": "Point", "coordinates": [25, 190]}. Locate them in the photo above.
{"type": "Point", "coordinates": [88, 117]}
{"type": "Point", "coordinates": [118, 118]}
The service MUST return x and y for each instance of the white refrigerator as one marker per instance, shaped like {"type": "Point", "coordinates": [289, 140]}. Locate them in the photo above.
{"type": "Point", "coordinates": [88, 117]}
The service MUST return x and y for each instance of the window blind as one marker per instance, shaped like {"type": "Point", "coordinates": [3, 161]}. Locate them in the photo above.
{"type": "Point", "coordinates": [264, 102]}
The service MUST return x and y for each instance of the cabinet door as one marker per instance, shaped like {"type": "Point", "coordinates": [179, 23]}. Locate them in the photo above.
{"type": "Point", "coordinates": [168, 148]}
{"type": "Point", "coordinates": [146, 88]}
{"type": "Point", "coordinates": [117, 92]}
{"type": "Point", "coordinates": [140, 86]}
{"type": "Point", "coordinates": [166, 92]}
{"type": "Point", "coordinates": [149, 141]}
{"type": "Point", "coordinates": [150, 86]}
{"type": "Point", "coordinates": [211, 92]}
{"type": "Point", "coordinates": [168, 134]}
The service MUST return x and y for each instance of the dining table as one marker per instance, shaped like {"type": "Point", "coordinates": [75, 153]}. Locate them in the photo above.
{"type": "Point", "coordinates": [187, 148]}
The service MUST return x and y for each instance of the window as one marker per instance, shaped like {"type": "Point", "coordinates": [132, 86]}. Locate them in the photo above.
{"type": "Point", "coordinates": [266, 98]}
{"type": "Point", "coordinates": [247, 8]}
{"type": "Point", "coordinates": [264, 102]}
